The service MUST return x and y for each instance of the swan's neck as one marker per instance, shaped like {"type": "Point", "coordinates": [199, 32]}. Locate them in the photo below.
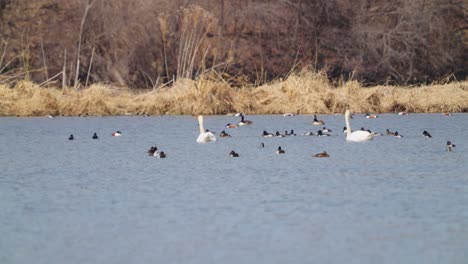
{"type": "Point", "coordinates": [200, 124]}
{"type": "Point", "coordinates": [348, 127]}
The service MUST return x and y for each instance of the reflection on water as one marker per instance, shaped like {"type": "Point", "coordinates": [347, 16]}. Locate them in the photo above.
{"type": "Point", "coordinates": [106, 201]}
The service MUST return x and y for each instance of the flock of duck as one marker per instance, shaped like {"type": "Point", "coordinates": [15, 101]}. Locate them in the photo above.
{"type": "Point", "coordinates": [362, 135]}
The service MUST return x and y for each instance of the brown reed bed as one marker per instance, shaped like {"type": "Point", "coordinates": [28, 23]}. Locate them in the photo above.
{"type": "Point", "coordinates": [303, 93]}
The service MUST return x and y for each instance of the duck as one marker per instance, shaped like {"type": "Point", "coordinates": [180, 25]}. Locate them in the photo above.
{"type": "Point", "coordinates": [223, 134]}
{"type": "Point", "coordinates": [321, 134]}
{"type": "Point", "coordinates": [368, 115]}
{"type": "Point", "coordinates": [95, 136]}
{"type": "Point", "coordinates": [117, 133]}
{"type": "Point", "coordinates": [262, 145]}
{"type": "Point", "coordinates": [390, 133]}
{"type": "Point", "coordinates": [292, 133]}
{"type": "Point", "coordinates": [277, 134]}
{"type": "Point", "coordinates": [49, 116]}
{"type": "Point", "coordinates": [326, 130]}
{"type": "Point", "coordinates": [229, 125]}
{"type": "Point", "coordinates": [397, 135]}
{"type": "Point", "coordinates": [449, 146]}
{"type": "Point", "coordinates": [322, 155]}
{"type": "Point", "coordinates": [205, 135]}
{"type": "Point", "coordinates": [309, 134]}
{"type": "Point", "coordinates": [244, 122]}
{"type": "Point", "coordinates": [289, 114]}
{"type": "Point", "coordinates": [152, 150]}
{"type": "Point", "coordinates": [344, 130]}
{"type": "Point", "coordinates": [233, 154]}
{"type": "Point", "coordinates": [280, 150]}
{"type": "Point", "coordinates": [266, 134]}
{"type": "Point", "coordinates": [447, 114]}
{"type": "Point", "coordinates": [356, 136]}
{"type": "Point", "coordinates": [402, 113]}
{"type": "Point", "coordinates": [317, 122]}
{"type": "Point", "coordinates": [426, 134]}
{"type": "Point", "coordinates": [71, 137]}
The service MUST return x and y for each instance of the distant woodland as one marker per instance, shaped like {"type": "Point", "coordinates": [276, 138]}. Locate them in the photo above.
{"type": "Point", "coordinates": [146, 43]}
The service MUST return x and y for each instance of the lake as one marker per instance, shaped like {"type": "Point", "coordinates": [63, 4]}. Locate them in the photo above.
{"type": "Point", "coordinates": [390, 200]}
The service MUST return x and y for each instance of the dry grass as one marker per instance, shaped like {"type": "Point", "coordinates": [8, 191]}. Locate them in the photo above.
{"type": "Point", "coordinates": [303, 93]}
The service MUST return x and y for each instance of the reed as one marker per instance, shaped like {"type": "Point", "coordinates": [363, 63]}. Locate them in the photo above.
{"type": "Point", "coordinates": [302, 93]}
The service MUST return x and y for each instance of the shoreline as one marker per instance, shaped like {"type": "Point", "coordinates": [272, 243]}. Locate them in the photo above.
{"type": "Point", "coordinates": [305, 93]}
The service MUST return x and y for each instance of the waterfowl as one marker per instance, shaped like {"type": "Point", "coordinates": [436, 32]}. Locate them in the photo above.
{"type": "Point", "coordinates": [152, 150]}
{"type": "Point", "coordinates": [280, 151]}
{"type": "Point", "coordinates": [449, 146]}
{"type": "Point", "coordinates": [49, 116]}
{"type": "Point", "coordinates": [356, 136]}
{"type": "Point", "coordinates": [317, 122]}
{"type": "Point", "coordinates": [292, 133]}
{"type": "Point", "coordinates": [262, 145]}
{"type": "Point", "coordinates": [397, 135]}
{"type": "Point", "coordinates": [390, 133]}
{"type": "Point", "coordinates": [266, 134]}
{"type": "Point", "coordinates": [233, 154]}
{"type": "Point", "coordinates": [326, 130]}
{"type": "Point", "coordinates": [117, 133]}
{"type": "Point", "coordinates": [244, 122]}
{"type": "Point", "coordinates": [309, 134]}
{"type": "Point", "coordinates": [426, 134]}
{"type": "Point", "coordinates": [71, 137]}
{"type": "Point", "coordinates": [289, 114]}
{"type": "Point", "coordinates": [229, 125]}
{"type": "Point", "coordinates": [368, 115]}
{"type": "Point", "coordinates": [224, 134]}
{"type": "Point", "coordinates": [95, 136]}
{"type": "Point", "coordinates": [161, 155]}
{"type": "Point", "coordinates": [205, 135]}
{"type": "Point", "coordinates": [277, 134]}
{"type": "Point", "coordinates": [344, 130]}
{"type": "Point", "coordinates": [322, 155]}
{"type": "Point", "coordinates": [402, 113]}
{"type": "Point", "coordinates": [446, 114]}
{"type": "Point", "coordinates": [321, 134]}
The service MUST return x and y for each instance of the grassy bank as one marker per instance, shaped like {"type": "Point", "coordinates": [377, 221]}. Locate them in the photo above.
{"type": "Point", "coordinates": [303, 93]}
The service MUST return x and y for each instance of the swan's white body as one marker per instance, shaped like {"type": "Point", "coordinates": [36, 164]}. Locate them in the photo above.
{"type": "Point", "coordinates": [356, 136]}
{"type": "Point", "coordinates": [204, 137]}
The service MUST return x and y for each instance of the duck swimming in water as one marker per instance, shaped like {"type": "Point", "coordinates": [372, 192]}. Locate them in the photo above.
{"type": "Point", "coordinates": [309, 134]}
{"type": "Point", "coordinates": [223, 134]}
{"type": "Point", "coordinates": [368, 115]}
{"type": "Point", "coordinates": [71, 137]}
{"type": "Point", "coordinates": [321, 134]}
{"type": "Point", "coordinates": [95, 136]}
{"type": "Point", "coordinates": [277, 134]}
{"type": "Point", "coordinates": [326, 130]}
{"type": "Point", "coordinates": [233, 154]}
{"type": "Point", "coordinates": [426, 134]}
{"type": "Point", "coordinates": [266, 134]}
{"type": "Point", "coordinates": [397, 135]}
{"type": "Point", "coordinates": [229, 125]}
{"type": "Point", "coordinates": [322, 155]}
{"type": "Point", "coordinates": [117, 133]}
{"type": "Point", "coordinates": [449, 146]}
{"type": "Point", "coordinates": [390, 133]}
{"type": "Point", "coordinates": [280, 150]}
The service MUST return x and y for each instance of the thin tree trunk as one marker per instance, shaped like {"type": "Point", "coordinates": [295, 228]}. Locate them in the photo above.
{"type": "Point", "coordinates": [80, 38]}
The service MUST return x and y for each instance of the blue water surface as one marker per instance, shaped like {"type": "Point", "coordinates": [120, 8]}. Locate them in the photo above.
{"type": "Point", "coordinates": [106, 201]}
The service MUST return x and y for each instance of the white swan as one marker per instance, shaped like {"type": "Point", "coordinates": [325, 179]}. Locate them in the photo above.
{"type": "Point", "coordinates": [205, 135]}
{"type": "Point", "coordinates": [356, 136]}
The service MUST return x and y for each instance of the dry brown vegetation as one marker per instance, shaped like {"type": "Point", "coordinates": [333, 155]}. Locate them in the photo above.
{"type": "Point", "coordinates": [143, 43]}
{"type": "Point", "coordinates": [302, 93]}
